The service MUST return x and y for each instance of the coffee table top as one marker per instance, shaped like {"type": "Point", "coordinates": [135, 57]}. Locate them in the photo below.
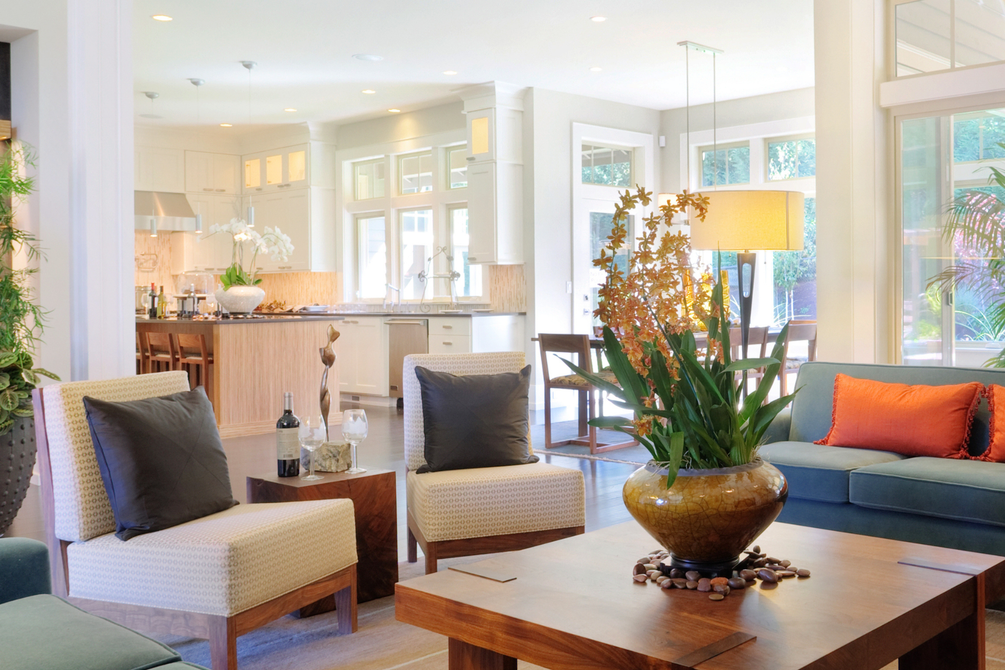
{"type": "Point", "coordinates": [573, 603]}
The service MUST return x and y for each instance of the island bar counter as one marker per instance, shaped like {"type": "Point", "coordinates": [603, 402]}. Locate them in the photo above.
{"type": "Point", "coordinates": [255, 361]}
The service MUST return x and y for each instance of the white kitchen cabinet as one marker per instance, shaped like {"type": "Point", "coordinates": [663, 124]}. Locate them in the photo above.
{"type": "Point", "coordinates": [157, 169]}
{"type": "Point", "coordinates": [362, 355]}
{"type": "Point", "coordinates": [495, 216]}
{"type": "Point", "coordinates": [213, 254]}
{"type": "Point", "coordinates": [483, 333]}
{"type": "Point", "coordinates": [291, 212]}
{"type": "Point", "coordinates": [212, 173]}
{"type": "Point", "coordinates": [276, 170]}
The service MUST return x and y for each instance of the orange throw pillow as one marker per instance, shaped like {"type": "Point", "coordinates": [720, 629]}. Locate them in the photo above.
{"type": "Point", "coordinates": [996, 426]}
{"type": "Point", "coordinates": [910, 420]}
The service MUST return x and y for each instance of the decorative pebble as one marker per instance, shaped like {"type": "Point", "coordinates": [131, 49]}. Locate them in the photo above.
{"type": "Point", "coordinates": [785, 563]}
{"type": "Point", "coordinates": [653, 574]}
{"type": "Point", "coordinates": [666, 584]}
{"type": "Point", "coordinates": [772, 560]}
{"type": "Point", "coordinates": [692, 575]}
{"type": "Point", "coordinates": [716, 596]}
{"type": "Point", "coordinates": [676, 573]}
{"type": "Point", "coordinates": [650, 566]}
{"type": "Point", "coordinates": [704, 585]}
{"type": "Point", "coordinates": [661, 579]}
{"type": "Point", "coordinates": [748, 575]}
{"type": "Point", "coordinates": [639, 569]}
{"type": "Point", "coordinates": [641, 579]}
{"type": "Point", "coordinates": [719, 580]}
{"type": "Point", "coordinates": [736, 583]}
{"type": "Point", "coordinates": [803, 573]}
{"type": "Point", "coordinates": [767, 575]}
{"type": "Point", "coordinates": [721, 588]}
{"type": "Point", "coordinates": [691, 584]}
{"type": "Point", "coordinates": [679, 582]}
{"type": "Point", "coordinates": [643, 561]}
{"type": "Point", "coordinates": [756, 549]}
{"type": "Point", "coordinates": [785, 574]}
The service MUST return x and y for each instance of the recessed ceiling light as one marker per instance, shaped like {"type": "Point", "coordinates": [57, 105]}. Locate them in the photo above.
{"type": "Point", "coordinates": [596, 69]}
{"type": "Point", "coordinates": [226, 125]}
{"type": "Point", "coordinates": [449, 72]}
{"type": "Point", "coordinates": [162, 17]}
{"type": "Point", "coordinates": [369, 91]}
{"type": "Point", "coordinates": [598, 19]}
{"type": "Point", "coordinates": [394, 110]}
{"type": "Point", "coordinates": [290, 109]}
{"type": "Point", "coordinates": [369, 57]}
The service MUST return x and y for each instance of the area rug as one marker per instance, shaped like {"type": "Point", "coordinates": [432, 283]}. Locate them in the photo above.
{"type": "Point", "coordinates": [564, 430]}
{"type": "Point", "coordinates": [382, 643]}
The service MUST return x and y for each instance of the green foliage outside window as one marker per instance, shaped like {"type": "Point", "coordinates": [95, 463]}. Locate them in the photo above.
{"type": "Point", "coordinates": [793, 267]}
{"type": "Point", "coordinates": [978, 137]}
{"type": "Point", "coordinates": [725, 166]}
{"type": "Point", "coordinates": [792, 159]}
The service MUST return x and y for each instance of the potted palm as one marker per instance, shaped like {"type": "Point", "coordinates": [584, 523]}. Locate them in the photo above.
{"type": "Point", "coordinates": [240, 293]}
{"type": "Point", "coordinates": [21, 326]}
{"type": "Point", "coordinates": [705, 495]}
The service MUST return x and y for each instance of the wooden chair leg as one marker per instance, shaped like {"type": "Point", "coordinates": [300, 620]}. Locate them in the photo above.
{"type": "Point", "coordinates": [430, 550]}
{"type": "Point", "coordinates": [345, 607]}
{"type": "Point", "coordinates": [547, 418]}
{"type": "Point", "coordinates": [222, 643]}
{"type": "Point", "coordinates": [584, 410]}
{"type": "Point", "coordinates": [413, 554]}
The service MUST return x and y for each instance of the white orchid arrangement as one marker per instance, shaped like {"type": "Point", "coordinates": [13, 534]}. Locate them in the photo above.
{"type": "Point", "coordinates": [273, 241]}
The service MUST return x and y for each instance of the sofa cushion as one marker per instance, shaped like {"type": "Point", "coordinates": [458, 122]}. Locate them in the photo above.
{"type": "Point", "coordinates": [817, 472]}
{"type": "Point", "coordinates": [914, 420]}
{"type": "Point", "coordinates": [482, 502]}
{"type": "Point", "coordinates": [222, 564]}
{"type": "Point", "coordinates": [951, 489]}
{"type": "Point", "coordinates": [996, 428]}
{"type": "Point", "coordinates": [45, 632]}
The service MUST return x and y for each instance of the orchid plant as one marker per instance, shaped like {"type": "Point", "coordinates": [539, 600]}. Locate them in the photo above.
{"type": "Point", "coordinates": [273, 241]}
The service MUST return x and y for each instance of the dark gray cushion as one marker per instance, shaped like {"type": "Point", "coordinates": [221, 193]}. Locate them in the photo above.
{"type": "Point", "coordinates": [474, 421]}
{"type": "Point", "coordinates": [940, 487]}
{"type": "Point", "coordinates": [161, 460]}
{"type": "Point", "coordinates": [818, 472]}
{"type": "Point", "coordinates": [46, 632]}
{"type": "Point", "coordinates": [814, 403]}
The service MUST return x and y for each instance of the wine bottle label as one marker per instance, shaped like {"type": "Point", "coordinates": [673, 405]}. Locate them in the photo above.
{"type": "Point", "coordinates": [287, 444]}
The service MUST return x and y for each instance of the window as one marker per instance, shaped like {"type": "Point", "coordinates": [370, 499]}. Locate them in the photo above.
{"type": "Point", "coordinates": [457, 167]}
{"type": "Point", "coordinates": [368, 179]}
{"type": "Point", "coordinates": [372, 235]}
{"type": "Point", "coordinates": [607, 166]}
{"type": "Point", "coordinates": [933, 35]}
{"type": "Point", "coordinates": [795, 273]}
{"type": "Point", "coordinates": [601, 224]}
{"type": "Point", "coordinates": [470, 282]}
{"type": "Point", "coordinates": [415, 173]}
{"type": "Point", "coordinates": [726, 165]}
{"type": "Point", "coordinates": [978, 136]}
{"type": "Point", "coordinates": [792, 159]}
{"type": "Point", "coordinates": [416, 243]}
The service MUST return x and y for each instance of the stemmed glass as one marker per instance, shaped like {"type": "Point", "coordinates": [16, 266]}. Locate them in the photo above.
{"type": "Point", "coordinates": [312, 435]}
{"type": "Point", "coordinates": [354, 429]}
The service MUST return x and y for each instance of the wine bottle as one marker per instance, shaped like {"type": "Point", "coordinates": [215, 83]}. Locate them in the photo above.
{"type": "Point", "coordinates": [287, 442]}
{"type": "Point", "coordinates": [152, 312]}
{"type": "Point", "coordinates": [162, 303]}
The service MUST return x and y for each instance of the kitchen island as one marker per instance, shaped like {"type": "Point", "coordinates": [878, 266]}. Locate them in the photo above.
{"type": "Point", "coordinates": [254, 361]}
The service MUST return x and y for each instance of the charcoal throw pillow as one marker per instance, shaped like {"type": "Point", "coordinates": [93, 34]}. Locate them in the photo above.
{"type": "Point", "coordinates": [161, 460]}
{"type": "Point", "coordinates": [474, 421]}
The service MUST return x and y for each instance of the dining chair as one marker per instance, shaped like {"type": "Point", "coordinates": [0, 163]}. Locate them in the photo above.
{"type": "Point", "coordinates": [799, 331]}
{"type": "Point", "coordinates": [757, 345]}
{"type": "Point", "coordinates": [578, 346]}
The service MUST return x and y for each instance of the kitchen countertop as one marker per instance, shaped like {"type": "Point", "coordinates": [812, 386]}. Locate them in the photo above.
{"type": "Point", "coordinates": [334, 316]}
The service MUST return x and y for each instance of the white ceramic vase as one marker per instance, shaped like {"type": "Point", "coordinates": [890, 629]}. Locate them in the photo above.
{"type": "Point", "coordinates": [240, 299]}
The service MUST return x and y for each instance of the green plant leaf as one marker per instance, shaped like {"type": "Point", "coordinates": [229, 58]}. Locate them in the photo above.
{"type": "Point", "coordinates": [5, 426]}
{"type": "Point", "coordinates": [9, 399]}
{"type": "Point", "coordinates": [749, 364]}
{"type": "Point", "coordinates": [46, 373]}
{"type": "Point", "coordinates": [23, 412]}
{"type": "Point", "coordinates": [7, 359]}
{"type": "Point", "coordinates": [30, 376]}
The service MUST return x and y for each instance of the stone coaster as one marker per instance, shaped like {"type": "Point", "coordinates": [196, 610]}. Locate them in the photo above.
{"type": "Point", "coordinates": [329, 457]}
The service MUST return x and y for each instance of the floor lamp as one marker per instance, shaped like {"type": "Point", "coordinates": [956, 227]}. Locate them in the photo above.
{"type": "Point", "coordinates": [745, 221]}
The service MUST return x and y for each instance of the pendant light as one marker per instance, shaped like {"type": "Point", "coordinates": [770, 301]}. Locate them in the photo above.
{"type": "Point", "coordinates": [198, 121]}
{"type": "Point", "coordinates": [250, 65]}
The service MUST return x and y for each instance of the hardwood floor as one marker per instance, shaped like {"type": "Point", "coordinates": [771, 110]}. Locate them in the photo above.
{"type": "Point", "coordinates": [383, 449]}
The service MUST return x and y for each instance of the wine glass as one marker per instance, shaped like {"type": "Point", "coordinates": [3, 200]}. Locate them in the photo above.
{"type": "Point", "coordinates": [312, 435]}
{"type": "Point", "coordinates": [354, 429]}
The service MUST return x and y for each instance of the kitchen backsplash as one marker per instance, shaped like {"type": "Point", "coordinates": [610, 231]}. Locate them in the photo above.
{"type": "Point", "coordinates": [303, 288]}
{"type": "Point", "coordinates": [150, 250]}
{"type": "Point", "coordinates": [508, 287]}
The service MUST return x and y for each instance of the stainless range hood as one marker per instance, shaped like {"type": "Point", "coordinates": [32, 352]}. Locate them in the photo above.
{"type": "Point", "coordinates": [170, 211]}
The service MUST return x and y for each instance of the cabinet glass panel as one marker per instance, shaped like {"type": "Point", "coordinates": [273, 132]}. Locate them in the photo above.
{"type": "Point", "coordinates": [457, 167]}
{"type": "Point", "coordinates": [298, 165]}
{"type": "Point", "coordinates": [415, 173]}
{"type": "Point", "coordinates": [416, 247]}
{"type": "Point", "coordinates": [253, 173]}
{"type": "Point", "coordinates": [372, 255]}
{"type": "Point", "coordinates": [470, 281]}
{"type": "Point", "coordinates": [274, 169]}
{"type": "Point", "coordinates": [923, 42]}
{"type": "Point", "coordinates": [368, 179]}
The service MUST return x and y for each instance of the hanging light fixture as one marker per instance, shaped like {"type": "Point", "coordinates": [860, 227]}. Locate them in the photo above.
{"type": "Point", "coordinates": [250, 65]}
{"type": "Point", "coordinates": [198, 121]}
{"type": "Point", "coordinates": [742, 220]}
{"type": "Point", "coordinates": [151, 96]}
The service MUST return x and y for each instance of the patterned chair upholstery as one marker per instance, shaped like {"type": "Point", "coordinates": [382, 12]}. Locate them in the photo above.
{"type": "Point", "coordinates": [215, 577]}
{"type": "Point", "coordinates": [481, 510]}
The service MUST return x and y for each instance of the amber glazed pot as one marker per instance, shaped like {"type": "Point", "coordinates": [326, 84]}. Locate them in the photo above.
{"type": "Point", "coordinates": [708, 517]}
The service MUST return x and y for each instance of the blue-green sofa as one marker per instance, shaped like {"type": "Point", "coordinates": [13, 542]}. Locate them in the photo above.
{"type": "Point", "coordinates": [937, 501]}
{"type": "Point", "coordinates": [39, 631]}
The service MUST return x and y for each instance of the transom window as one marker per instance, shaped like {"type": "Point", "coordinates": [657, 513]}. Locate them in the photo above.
{"type": "Point", "coordinates": [368, 179]}
{"type": "Point", "coordinates": [792, 159]}
{"type": "Point", "coordinates": [415, 173]}
{"type": "Point", "coordinates": [607, 166]}
{"type": "Point", "coordinates": [978, 136]}
{"type": "Point", "coordinates": [725, 165]}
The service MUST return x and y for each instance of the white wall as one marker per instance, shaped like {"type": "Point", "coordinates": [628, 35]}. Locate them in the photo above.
{"type": "Point", "coordinates": [72, 101]}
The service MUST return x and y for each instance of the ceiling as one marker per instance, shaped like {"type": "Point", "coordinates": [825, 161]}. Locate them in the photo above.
{"type": "Point", "coordinates": [304, 50]}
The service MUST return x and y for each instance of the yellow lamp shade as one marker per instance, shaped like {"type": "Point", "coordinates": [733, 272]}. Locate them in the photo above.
{"type": "Point", "coordinates": [750, 220]}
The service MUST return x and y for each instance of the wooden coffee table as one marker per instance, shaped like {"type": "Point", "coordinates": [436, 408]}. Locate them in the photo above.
{"type": "Point", "coordinates": [573, 604]}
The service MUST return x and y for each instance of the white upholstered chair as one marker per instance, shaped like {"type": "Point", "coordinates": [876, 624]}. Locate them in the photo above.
{"type": "Point", "coordinates": [216, 577]}
{"type": "Point", "coordinates": [481, 510]}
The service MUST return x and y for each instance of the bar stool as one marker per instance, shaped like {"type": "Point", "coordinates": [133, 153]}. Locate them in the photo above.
{"type": "Point", "coordinates": [141, 363]}
{"type": "Point", "coordinates": [194, 357]}
{"type": "Point", "coordinates": [160, 352]}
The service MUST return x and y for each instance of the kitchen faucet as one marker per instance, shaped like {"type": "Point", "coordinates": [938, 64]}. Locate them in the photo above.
{"type": "Point", "coordinates": [396, 289]}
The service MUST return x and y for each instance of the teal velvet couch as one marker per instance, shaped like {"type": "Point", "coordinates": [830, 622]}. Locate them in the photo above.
{"type": "Point", "coordinates": [39, 631]}
{"type": "Point", "coordinates": [937, 501]}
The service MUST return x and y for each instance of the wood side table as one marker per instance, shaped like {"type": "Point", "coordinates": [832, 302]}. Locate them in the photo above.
{"type": "Point", "coordinates": [374, 498]}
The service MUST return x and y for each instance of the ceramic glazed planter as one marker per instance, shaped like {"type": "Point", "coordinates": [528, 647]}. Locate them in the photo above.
{"type": "Point", "coordinates": [708, 517]}
{"type": "Point", "coordinates": [17, 457]}
{"type": "Point", "coordinates": [240, 299]}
